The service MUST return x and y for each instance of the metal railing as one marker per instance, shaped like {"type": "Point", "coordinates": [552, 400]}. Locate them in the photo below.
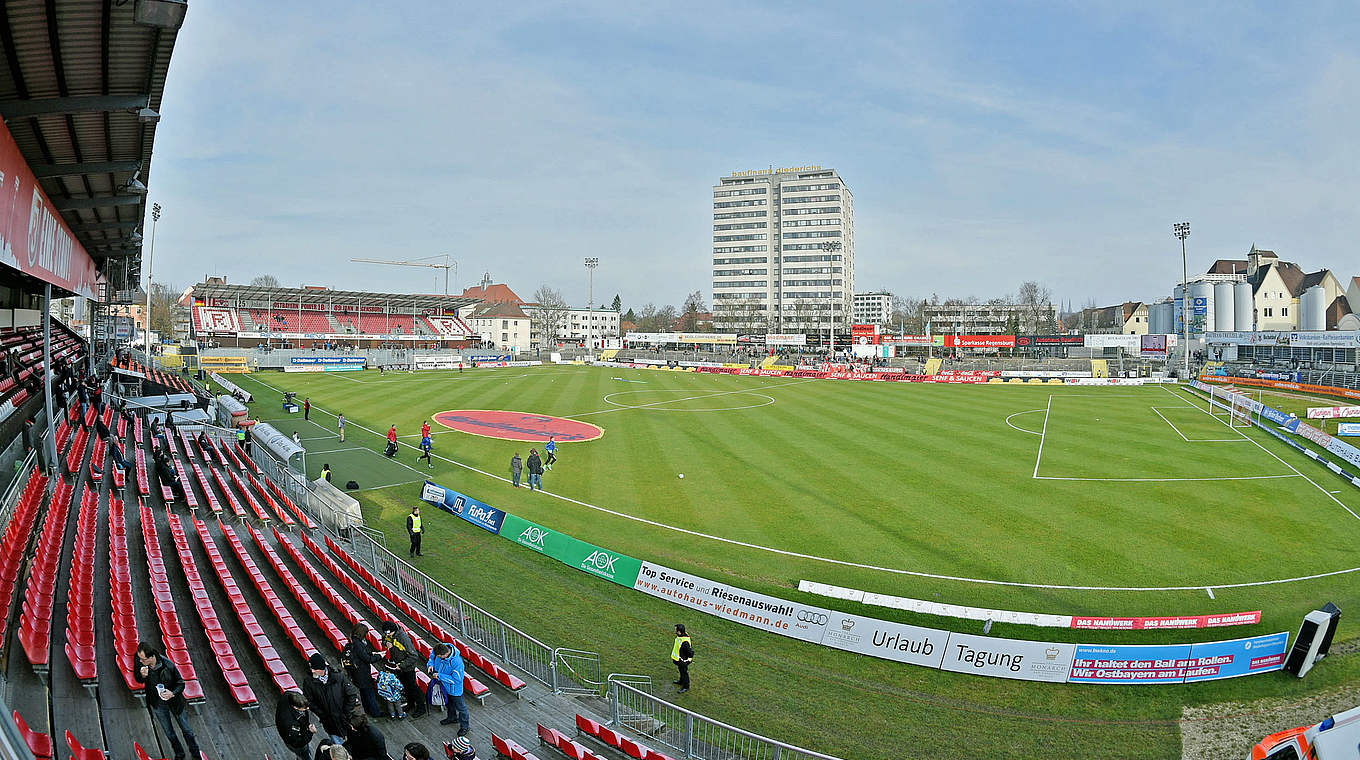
{"type": "Point", "coordinates": [691, 734]}
{"type": "Point", "coordinates": [563, 670]}
{"type": "Point", "coordinates": [16, 488]}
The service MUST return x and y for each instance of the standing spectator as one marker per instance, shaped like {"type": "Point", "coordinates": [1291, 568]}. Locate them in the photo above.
{"type": "Point", "coordinates": [248, 439]}
{"type": "Point", "coordinates": [551, 448]}
{"type": "Point", "coordinates": [415, 531]}
{"type": "Point", "coordinates": [390, 691]}
{"type": "Point", "coordinates": [340, 423]}
{"type": "Point", "coordinates": [164, 696]}
{"type": "Point", "coordinates": [447, 667]}
{"type": "Point", "coordinates": [682, 654]}
{"type": "Point", "coordinates": [294, 725]}
{"type": "Point", "coordinates": [361, 659]}
{"type": "Point", "coordinates": [516, 467]}
{"type": "Point", "coordinates": [403, 660]}
{"type": "Point", "coordinates": [415, 751]}
{"type": "Point", "coordinates": [535, 470]}
{"type": "Point", "coordinates": [425, 446]}
{"type": "Point", "coordinates": [326, 471]}
{"type": "Point", "coordinates": [331, 696]}
{"type": "Point", "coordinates": [307, 408]}
{"type": "Point", "coordinates": [330, 749]}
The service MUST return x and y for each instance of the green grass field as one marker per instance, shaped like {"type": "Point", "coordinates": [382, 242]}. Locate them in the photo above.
{"type": "Point", "coordinates": [932, 492]}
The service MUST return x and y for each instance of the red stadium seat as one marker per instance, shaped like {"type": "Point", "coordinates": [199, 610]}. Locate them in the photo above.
{"type": "Point", "coordinates": [79, 752]}
{"type": "Point", "coordinates": [587, 726]}
{"type": "Point", "coordinates": [39, 744]}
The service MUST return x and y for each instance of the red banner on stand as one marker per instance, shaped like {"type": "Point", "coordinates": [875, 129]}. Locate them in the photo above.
{"type": "Point", "coordinates": [34, 239]}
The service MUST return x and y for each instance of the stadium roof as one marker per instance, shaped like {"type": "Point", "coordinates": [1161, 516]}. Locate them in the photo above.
{"type": "Point", "coordinates": [324, 296]}
{"type": "Point", "coordinates": [80, 90]}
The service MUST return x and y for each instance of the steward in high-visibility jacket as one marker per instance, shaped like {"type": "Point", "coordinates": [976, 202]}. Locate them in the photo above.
{"type": "Point", "coordinates": [682, 654]}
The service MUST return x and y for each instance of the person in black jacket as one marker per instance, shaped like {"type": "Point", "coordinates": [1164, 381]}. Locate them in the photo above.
{"type": "Point", "coordinates": [535, 470]}
{"type": "Point", "coordinates": [365, 741]}
{"type": "Point", "coordinates": [294, 724]}
{"type": "Point", "coordinates": [165, 697]}
{"type": "Point", "coordinates": [331, 696]}
{"type": "Point", "coordinates": [360, 659]}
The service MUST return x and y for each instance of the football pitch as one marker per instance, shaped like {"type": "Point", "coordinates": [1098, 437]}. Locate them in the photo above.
{"type": "Point", "coordinates": [1123, 501]}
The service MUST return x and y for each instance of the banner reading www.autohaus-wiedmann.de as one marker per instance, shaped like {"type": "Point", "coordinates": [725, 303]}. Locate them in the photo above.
{"type": "Point", "coordinates": [573, 552]}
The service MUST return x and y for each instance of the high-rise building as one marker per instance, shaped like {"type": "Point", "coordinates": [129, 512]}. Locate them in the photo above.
{"type": "Point", "coordinates": [783, 252]}
{"type": "Point", "coordinates": [873, 308]}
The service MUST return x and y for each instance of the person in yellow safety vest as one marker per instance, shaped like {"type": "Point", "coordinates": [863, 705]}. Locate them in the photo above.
{"type": "Point", "coordinates": [682, 654]}
{"type": "Point", "coordinates": [326, 471]}
{"type": "Point", "coordinates": [414, 531]}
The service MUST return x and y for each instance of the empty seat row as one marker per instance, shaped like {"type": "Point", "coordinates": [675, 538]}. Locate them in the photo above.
{"type": "Point", "coordinates": [511, 749]}
{"type": "Point", "coordinates": [213, 503]}
{"type": "Point", "coordinates": [269, 501]}
{"type": "Point", "coordinates": [471, 686]}
{"type": "Point", "coordinates": [212, 627]}
{"type": "Point", "coordinates": [80, 648]}
{"type": "Point", "coordinates": [318, 616]}
{"type": "Point", "coordinates": [250, 499]}
{"type": "Point", "coordinates": [125, 636]}
{"type": "Point", "coordinates": [226, 492]}
{"type": "Point", "coordinates": [143, 482]}
{"type": "Point", "coordinates": [189, 497]}
{"type": "Point", "coordinates": [271, 598]}
{"type": "Point", "coordinates": [75, 458]}
{"type": "Point", "coordinates": [39, 744]}
{"type": "Point", "coordinates": [258, 640]}
{"type": "Point", "coordinates": [35, 622]}
{"type": "Point", "coordinates": [327, 590]}
{"type": "Point", "coordinates": [476, 659]}
{"type": "Point", "coordinates": [616, 740]}
{"type": "Point", "coordinates": [101, 453]}
{"type": "Point", "coordinates": [245, 459]}
{"type": "Point", "coordinates": [562, 743]}
{"type": "Point", "coordinates": [14, 542]}
{"type": "Point", "coordinates": [210, 450]}
{"type": "Point", "coordinates": [287, 503]}
{"type": "Point", "coordinates": [172, 634]}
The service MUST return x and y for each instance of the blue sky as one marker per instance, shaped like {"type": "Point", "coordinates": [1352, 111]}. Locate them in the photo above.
{"type": "Point", "coordinates": [985, 143]}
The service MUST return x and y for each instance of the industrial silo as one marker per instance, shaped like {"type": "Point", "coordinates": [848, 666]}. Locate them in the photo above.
{"type": "Point", "coordinates": [1156, 317]}
{"type": "Point", "coordinates": [1178, 309]}
{"type": "Point", "coordinates": [1168, 320]}
{"type": "Point", "coordinates": [1245, 305]}
{"type": "Point", "coordinates": [1201, 307]}
{"type": "Point", "coordinates": [1224, 309]}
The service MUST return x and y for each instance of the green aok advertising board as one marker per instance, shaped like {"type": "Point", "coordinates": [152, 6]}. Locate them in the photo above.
{"type": "Point", "coordinates": [573, 552]}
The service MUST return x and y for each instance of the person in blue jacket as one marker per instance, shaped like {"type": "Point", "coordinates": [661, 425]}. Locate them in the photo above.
{"type": "Point", "coordinates": [446, 667]}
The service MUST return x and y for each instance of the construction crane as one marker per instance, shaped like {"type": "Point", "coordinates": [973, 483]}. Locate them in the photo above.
{"type": "Point", "coordinates": [446, 266]}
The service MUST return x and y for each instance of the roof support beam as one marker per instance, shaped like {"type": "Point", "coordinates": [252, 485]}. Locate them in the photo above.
{"type": "Point", "coordinates": [17, 109]}
{"type": "Point", "coordinates": [105, 227]}
{"type": "Point", "coordinates": [43, 171]}
{"type": "Point", "coordinates": [67, 204]}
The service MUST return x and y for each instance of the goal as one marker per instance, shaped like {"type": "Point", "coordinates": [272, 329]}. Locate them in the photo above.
{"type": "Point", "coordinates": [1221, 405]}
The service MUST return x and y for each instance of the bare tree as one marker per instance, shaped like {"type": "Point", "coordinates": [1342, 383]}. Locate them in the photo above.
{"type": "Point", "coordinates": [1036, 302]}
{"type": "Point", "coordinates": [908, 315]}
{"type": "Point", "coordinates": [163, 298]}
{"type": "Point", "coordinates": [694, 306]}
{"type": "Point", "coordinates": [265, 281]}
{"type": "Point", "coordinates": [548, 315]}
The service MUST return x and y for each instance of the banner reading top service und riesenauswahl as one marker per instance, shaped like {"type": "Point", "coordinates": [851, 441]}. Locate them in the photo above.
{"type": "Point", "coordinates": [928, 647]}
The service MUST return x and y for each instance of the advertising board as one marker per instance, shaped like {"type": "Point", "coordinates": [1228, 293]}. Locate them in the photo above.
{"type": "Point", "coordinates": [885, 639]}
{"type": "Point", "coordinates": [785, 339]}
{"type": "Point", "coordinates": [1008, 658]}
{"type": "Point", "coordinates": [766, 613]}
{"type": "Point", "coordinates": [1027, 341]}
{"type": "Point", "coordinates": [1130, 663]}
{"type": "Point", "coordinates": [1332, 412]}
{"type": "Point", "coordinates": [573, 552]}
{"type": "Point", "coordinates": [327, 360]}
{"type": "Point", "coordinates": [979, 341]}
{"type": "Point", "coordinates": [1114, 340]}
{"type": "Point", "coordinates": [464, 506]}
{"type": "Point", "coordinates": [1348, 429]}
{"type": "Point", "coordinates": [1163, 623]}
{"type": "Point", "coordinates": [1212, 660]}
{"type": "Point", "coordinates": [436, 361]}
{"type": "Point", "coordinates": [1153, 345]}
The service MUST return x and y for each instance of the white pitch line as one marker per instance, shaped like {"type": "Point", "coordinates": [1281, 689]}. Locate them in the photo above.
{"type": "Point", "coordinates": [1169, 480]}
{"type": "Point", "coordinates": [861, 565]}
{"type": "Point", "coordinates": [1031, 411]}
{"type": "Point", "coordinates": [688, 398]}
{"type": "Point", "coordinates": [1169, 422]}
{"type": "Point", "coordinates": [1044, 433]}
{"type": "Point", "coordinates": [1281, 461]}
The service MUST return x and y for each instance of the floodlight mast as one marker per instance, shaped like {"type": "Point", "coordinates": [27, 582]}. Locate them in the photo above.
{"type": "Point", "coordinates": [1182, 231]}
{"type": "Point", "coordinates": [591, 263]}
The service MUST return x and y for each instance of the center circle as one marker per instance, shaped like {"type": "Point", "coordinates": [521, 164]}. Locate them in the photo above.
{"type": "Point", "coordinates": [667, 405]}
{"type": "Point", "coordinates": [518, 426]}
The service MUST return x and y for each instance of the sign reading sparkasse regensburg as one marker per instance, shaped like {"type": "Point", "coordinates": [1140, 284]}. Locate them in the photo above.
{"type": "Point", "coordinates": [781, 170]}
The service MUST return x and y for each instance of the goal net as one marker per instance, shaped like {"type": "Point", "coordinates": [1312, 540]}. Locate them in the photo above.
{"type": "Point", "coordinates": [1222, 406]}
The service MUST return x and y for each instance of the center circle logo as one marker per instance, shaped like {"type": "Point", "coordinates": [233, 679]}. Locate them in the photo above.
{"type": "Point", "coordinates": [518, 426]}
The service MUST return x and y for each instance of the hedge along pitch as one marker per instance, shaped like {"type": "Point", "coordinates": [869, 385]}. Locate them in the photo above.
{"type": "Point", "coordinates": [916, 645]}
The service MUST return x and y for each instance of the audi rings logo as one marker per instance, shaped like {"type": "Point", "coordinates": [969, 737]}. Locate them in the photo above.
{"type": "Point", "coordinates": [815, 618]}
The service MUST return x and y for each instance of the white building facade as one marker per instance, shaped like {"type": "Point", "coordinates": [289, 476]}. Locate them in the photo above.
{"type": "Point", "coordinates": [783, 252]}
{"type": "Point", "coordinates": [873, 308]}
{"type": "Point", "coordinates": [576, 325]}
